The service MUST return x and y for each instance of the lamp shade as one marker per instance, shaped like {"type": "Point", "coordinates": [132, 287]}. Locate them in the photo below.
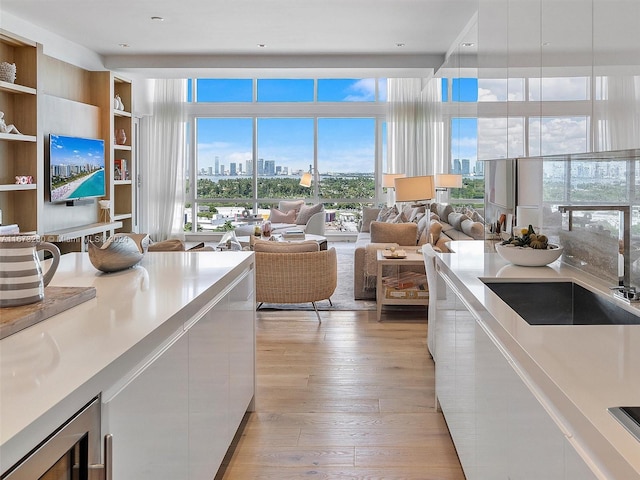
{"type": "Point", "coordinates": [448, 180]}
{"type": "Point", "coordinates": [305, 180]}
{"type": "Point", "coordinates": [388, 179]}
{"type": "Point", "coordinates": [409, 189]}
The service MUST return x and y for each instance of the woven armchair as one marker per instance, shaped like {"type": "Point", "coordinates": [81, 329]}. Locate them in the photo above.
{"type": "Point", "coordinates": [296, 277]}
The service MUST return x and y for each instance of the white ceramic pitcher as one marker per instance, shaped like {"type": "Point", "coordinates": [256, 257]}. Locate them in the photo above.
{"type": "Point", "coordinates": [21, 278]}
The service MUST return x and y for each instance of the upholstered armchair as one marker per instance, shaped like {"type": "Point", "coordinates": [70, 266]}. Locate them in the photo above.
{"type": "Point", "coordinates": [294, 272]}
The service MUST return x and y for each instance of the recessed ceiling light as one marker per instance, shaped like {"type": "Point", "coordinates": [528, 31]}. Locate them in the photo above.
{"type": "Point", "coordinates": [400, 44]}
{"type": "Point", "coordinates": [157, 19]}
{"type": "Point", "coordinates": [546, 44]}
{"type": "Point", "coordinates": [467, 44]}
{"type": "Point", "coordinates": [123, 45]}
{"type": "Point", "coordinates": [262, 45]}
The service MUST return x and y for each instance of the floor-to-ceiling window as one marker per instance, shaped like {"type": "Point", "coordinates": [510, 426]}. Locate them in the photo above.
{"type": "Point", "coordinates": [253, 139]}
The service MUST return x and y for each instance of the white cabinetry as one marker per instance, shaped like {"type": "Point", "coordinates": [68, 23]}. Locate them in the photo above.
{"type": "Point", "coordinates": [500, 428]}
{"type": "Point", "coordinates": [148, 418]}
{"type": "Point", "coordinates": [221, 377]}
{"type": "Point", "coordinates": [179, 410]}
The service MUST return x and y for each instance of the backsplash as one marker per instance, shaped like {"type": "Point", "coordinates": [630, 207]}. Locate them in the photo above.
{"type": "Point", "coordinates": [595, 242]}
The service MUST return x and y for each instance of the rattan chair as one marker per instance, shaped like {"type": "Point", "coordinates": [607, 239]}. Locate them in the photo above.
{"type": "Point", "coordinates": [296, 277]}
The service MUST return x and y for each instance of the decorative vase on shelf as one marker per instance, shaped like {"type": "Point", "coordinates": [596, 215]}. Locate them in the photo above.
{"type": "Point", "coordinates": [117, 104]}
{"type": "Point", "coordinates": [121, 136]}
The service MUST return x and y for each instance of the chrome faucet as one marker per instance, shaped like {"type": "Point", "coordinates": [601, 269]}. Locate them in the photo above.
{"type": "Point", "coordinates": [624, 290]}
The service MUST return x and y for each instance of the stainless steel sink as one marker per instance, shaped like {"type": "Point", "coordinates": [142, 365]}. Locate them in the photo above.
{"type": "Point", "coordinates": [561, 303]}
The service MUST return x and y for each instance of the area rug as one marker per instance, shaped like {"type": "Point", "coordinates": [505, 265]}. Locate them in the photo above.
{"type": "Point", "coordinates": [342, 298]}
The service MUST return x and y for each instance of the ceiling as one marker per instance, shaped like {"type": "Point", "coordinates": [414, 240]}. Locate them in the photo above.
{"type": "Point", "coordinates": [296, 34]}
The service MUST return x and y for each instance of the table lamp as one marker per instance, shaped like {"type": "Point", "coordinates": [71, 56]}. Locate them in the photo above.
{"type": "Point", "coordinates": [388, 182]}
{"type": "Point", "coordinates": [415, 189]}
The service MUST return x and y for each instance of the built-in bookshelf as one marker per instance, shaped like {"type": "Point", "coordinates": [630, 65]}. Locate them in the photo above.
{"type": "Point", "coordinates": [21, 154]}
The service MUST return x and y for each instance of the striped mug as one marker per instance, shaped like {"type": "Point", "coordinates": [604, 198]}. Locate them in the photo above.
{"type": "Point", "coordinates": [21, 278]}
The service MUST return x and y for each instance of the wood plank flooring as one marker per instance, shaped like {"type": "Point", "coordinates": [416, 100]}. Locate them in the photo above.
{"type": "Point", "coordinates": [350, 398]}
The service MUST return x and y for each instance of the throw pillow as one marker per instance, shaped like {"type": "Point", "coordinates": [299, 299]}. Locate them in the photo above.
{"type": "Point", "coordinates": [173, 245]}
{"type": "Point", "coordinates": [400, 218]}
{"type": "Point", "coordinates": [456, 219]}
{"type": "Point", "coordinates": [369, 214]}
{"type": "Point", "coordinates": [444, 211]}
{"type": "Point", "coordinates": [307, 211]}
{"type": "Point", "coordinates": [416, 212]}
{"type": "Point", "coordinates": [387, 212]}
{"type": "Point", "coordinates": [277, 216]}
{"type": "Point", "coordinates": [474, 229]}
{"type": "Point", "coordinates": [431, 234]}
{"type": "Point", "coordinates": [287, 205]}
{"type": "Point", "coordinates": [423, 225]}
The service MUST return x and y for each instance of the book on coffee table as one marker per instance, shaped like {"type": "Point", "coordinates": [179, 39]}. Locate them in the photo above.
{"type": "Point", "coordinates": [293, 234]}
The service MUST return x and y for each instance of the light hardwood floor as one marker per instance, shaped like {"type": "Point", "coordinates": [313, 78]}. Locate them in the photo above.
{"type": "Point", "coordinates": [351, 398]}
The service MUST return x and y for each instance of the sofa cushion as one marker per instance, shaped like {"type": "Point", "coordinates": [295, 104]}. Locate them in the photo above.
{"type": "Point", "coordinates": [473, 229]}
{"type": "Point", "coordinates": [286, 205]}
{"type": "Point", "coordinates": [278, 216]}
{"type": "Point", "coordinates": [456, 219]}
{"type": "Point", "coordinates": [400, 233]}
{"type": "Point", "coordinates": [369, 214]}
{"type": "Point", "coordinates": [454, 234]}
{"type": "Point", "coordinates": [285, 247]}
{"type": "Point", "coordinates": [306, 212]}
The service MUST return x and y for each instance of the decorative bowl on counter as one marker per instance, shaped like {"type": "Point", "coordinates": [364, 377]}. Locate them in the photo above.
{"type": "Point", "coordinates": [529, 257]}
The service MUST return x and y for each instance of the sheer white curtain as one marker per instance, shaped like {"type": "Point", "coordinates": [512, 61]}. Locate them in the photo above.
{"type": "Point", "coordinates": [414, 126]}
{"type": "Point", "coordinates": [162, 163]}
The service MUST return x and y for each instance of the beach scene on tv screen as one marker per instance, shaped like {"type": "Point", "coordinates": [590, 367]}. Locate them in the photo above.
{"type": "Point", "coordinates": [77, 167]}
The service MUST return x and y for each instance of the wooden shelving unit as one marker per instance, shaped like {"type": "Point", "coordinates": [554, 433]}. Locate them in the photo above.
{"type": "Point", "coordinates": [123, 158]}
{"type": "Point", "coordinates": [21, 154]}
{"type": "Point", "coordinates": [70, 91]}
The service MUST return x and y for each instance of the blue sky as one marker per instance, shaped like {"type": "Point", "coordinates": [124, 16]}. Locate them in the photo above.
{"type": "Point", "coordinates": [344, 144]}
{"type": "Point", "coordinates": [76, 151]}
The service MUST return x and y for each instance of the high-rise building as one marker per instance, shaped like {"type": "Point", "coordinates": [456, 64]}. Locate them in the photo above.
{"type": "Point", "coordinates": [217, 165]}
{"type": "Point", "coordinates": [210, 171]}
{"type": "Point", "coordinates": [278, 170]}
{"type": "Point", "coordinates": [269, 167]}
{"type": "Point", "coordinates": [465, 166]}
{"type": "Point", "coordinates": [239, 168]}
{"type": "Point", "coordinates": [285, 170]}
{"type": "Point", "coordinates": [260, 166]}
{"type": "Point", "coordinates": [221, 172]}
{"type": "Point", "coordinates": [249, 165]}
{"type": "Point", "coordinates": [232, 169]}
{"type": "Point", "coordinates": [457, 167]}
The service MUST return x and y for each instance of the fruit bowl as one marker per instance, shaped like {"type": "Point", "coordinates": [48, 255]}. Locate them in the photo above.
{"type": "Point", "coordinates": [529, 257]}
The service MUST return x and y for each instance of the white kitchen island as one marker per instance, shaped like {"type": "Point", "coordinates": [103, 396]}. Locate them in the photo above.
{"type": "Point", "coordinates": [169, 346]}
{"type": "Point", "coordinates": [530, 402]}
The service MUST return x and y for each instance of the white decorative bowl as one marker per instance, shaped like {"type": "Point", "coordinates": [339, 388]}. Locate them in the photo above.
{"type": "Point", "coordinates": [529, 257]}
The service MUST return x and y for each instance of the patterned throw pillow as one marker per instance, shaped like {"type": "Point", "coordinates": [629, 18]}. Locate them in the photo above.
{"type": "Point", "coordinates": [306, 212]}
{"type": "Point", "coordinates": [277, 216]}
{"type": "Point", "coordinates": [387, 212]}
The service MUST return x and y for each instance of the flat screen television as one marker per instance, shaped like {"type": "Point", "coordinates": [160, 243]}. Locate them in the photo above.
{"type": "Point", "coordinates": [77, 168]}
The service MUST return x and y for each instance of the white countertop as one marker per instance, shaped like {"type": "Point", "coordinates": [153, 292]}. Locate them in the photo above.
{"type": "Point", "coordinates": [51, 369]}
{"type": "Point", "coordinates": [582, 370]}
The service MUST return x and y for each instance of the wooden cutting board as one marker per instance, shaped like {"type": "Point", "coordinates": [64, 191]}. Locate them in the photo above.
{"type": "Point", "coordinates": [56, 300]}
